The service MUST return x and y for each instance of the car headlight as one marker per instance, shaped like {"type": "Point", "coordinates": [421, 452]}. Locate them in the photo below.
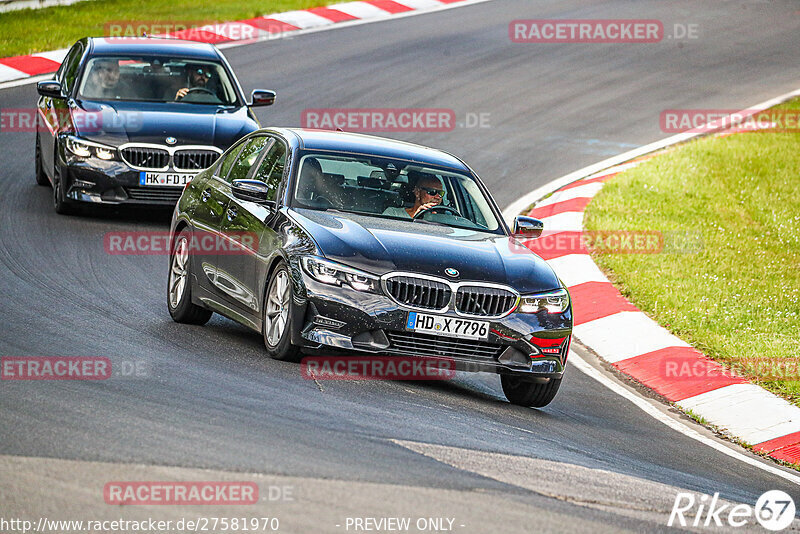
{"type": "Point", "coordinates": [552, 302]}
{"type": "Point", "coordinates": [84, 149]}
{"type": "Point", "coordinates": [336, 274]}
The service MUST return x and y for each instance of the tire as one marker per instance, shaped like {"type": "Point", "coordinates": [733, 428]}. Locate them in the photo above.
{"type": "Point", "coordinates": [41, 176]}
{"type": "Point", "coordinates": [179, 288]}
{"type": "Point", "coordinates": [530, 394]}
{"type": "Point", "coordinates": [277, 324]}
{"type": "Point", "coordinates": [60, 202]}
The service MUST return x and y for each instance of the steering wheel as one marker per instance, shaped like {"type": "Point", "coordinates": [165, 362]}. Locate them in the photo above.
{"type": "Point", "coordinates": [198, 90]}
{"type": "Point", "coordinates": [433, 209]}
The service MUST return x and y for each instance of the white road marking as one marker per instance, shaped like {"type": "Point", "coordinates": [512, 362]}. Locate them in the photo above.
{"type": "Point", "coordinates": [747, 411]}
{"type": "Point", "coordinates": [569, 221]}
{"type": "Point", "coordinates": [625, 335]}
{"type": "Point", "coordinates": [361, 10]}
{"type": "Point", "coordinates": [301, 19]}
{"type": "Point", "coordinates": [654, 412]}
{"type": "Point", "coordinates": [8, 73]}
{"type": "Point", "coordinates": [582, 191]}
{"type": "Point", "coordinates": [575, 269]}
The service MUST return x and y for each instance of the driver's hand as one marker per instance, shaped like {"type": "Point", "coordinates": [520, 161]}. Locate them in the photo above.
{"type": "Point", "coordinates": [425, 207]}
{"type": "Point", "coordinates": [181, 93]}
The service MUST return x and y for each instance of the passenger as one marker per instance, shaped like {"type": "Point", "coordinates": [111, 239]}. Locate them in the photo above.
{"type": "Point", "coordinates": [428, 192]}
{"type": "Point", "coordinates": [104, 83]}
{"type": "Point", "coordinates": [318, 188]}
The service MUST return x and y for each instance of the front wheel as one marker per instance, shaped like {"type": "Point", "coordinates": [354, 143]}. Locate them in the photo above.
{"type": "Point", "coordinates": [278, 323]}
{"type": "Point", "coordinates": [60, 202]}
{"type": "Point", "coordinates": [524, 393]}
{"type": "Point", "coordinates": [179, 290]}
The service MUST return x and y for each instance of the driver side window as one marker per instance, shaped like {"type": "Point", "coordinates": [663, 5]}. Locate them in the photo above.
{"type": "Point", "coordinates": [69, 68]}
{"type": "Point", "coordinates": [230, 158]}
{"type": "Point", "coordinates": [271, 169]}
{"type": "Point", "coordinates": [247, 158]}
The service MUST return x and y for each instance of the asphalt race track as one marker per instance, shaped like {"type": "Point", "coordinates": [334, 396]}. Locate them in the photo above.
{"type": "Point", "coordinates": [211, 398]}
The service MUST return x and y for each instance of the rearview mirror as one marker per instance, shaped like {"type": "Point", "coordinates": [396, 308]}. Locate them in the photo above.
{"type": "Point", "coordinates": [251, 190]}
{"type": "Point", "coordinates": [50, 88]}
{"type": "Point", "coordinates": [528, 226]}
{"type": "Point", "coordinates": [262, 97]}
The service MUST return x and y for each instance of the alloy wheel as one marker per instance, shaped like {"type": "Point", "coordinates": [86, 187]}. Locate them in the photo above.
{"type": "Point", "coordinates": [277, 308]}
{"type": "Point", "coordinates": [178, 272]}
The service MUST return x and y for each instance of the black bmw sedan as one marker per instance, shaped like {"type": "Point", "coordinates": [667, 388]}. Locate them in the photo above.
{"type": "Point", "coordinates": [334, 241]}
{"type": "Point", "coordinates": [132, 120]}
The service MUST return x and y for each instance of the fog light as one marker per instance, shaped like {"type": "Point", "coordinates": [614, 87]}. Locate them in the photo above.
{"type": "Point", "coordinates": [83, 184]}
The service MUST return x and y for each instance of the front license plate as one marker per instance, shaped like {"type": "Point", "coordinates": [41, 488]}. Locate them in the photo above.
{"type": "Point", "coordinates": [173, 179]}
{"type": "Point", "coordinates": [447, 326]}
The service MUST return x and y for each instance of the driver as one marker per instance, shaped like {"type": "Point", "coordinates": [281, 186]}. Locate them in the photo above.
{"type": "Point", "coordinates": [198, 76]}
{"type": "Point", "coordinates": [428, 193]}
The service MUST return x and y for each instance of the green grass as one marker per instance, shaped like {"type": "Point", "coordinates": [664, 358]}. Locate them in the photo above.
{"type": "Point", "coordinates": [736, 297]}
{"type": "Point", "coordinates": [38, 30]}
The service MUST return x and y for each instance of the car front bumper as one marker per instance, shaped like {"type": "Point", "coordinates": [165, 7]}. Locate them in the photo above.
{"type": "Point", "coordinates": [113, 182]}
{"type": "Point", "coordinates": [340, 318]}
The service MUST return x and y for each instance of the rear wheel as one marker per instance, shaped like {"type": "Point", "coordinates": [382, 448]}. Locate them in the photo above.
{"type": "Point", "coordinates": [179, 290]}
{"type": "Point", "coordinates": [278, 324]}
{"type": "Point", "coordinates": [41, 177]}
{"type": "Point", "coordinates": [524, 393]}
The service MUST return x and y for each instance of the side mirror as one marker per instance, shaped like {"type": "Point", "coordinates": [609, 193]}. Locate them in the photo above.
{"type": "Point", "coordinates": [50, 88]}
{"type": "Point", "coordinates": [262, 97]}
{"type": "Point", "coordinates": [528, 226]}
{"type": "Point", "coordinates": [251, 190]}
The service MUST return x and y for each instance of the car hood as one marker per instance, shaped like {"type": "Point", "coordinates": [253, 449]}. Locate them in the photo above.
{"type": "Point", "coordinates": [379, 246]}
{"type": "Point", "coordinates": [116, 123]}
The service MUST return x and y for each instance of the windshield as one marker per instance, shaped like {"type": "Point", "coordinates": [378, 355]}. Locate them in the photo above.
{"type": "Point", "coordinates": [392, 189]}
{"type": "Point", "coordinates": [156, 79]}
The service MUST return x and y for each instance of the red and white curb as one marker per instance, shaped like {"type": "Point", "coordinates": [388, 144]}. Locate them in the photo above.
{"type": "Point", "coordinates": [629, 340]}
{"type": "Point", "coordinates": [272, 26]}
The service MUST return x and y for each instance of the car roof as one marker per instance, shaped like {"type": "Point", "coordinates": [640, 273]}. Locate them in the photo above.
{"type": "Point", "coordinates": [152, 46]}
{"type": "Point", "coordinates": [337, 141]}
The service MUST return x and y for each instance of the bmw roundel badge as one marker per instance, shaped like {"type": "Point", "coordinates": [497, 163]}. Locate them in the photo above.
{"type": "Point", "coordinates": [451, 272]}
{"type": "Point", "coordinates": [171, 140]}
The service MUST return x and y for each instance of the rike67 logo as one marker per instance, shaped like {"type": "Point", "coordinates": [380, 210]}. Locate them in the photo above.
{"type": "Point", "coordinates": [774, 511]}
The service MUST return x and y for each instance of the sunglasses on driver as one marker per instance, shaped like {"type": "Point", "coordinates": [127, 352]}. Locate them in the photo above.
{"type": "Point", "coordinates": [433, 192]}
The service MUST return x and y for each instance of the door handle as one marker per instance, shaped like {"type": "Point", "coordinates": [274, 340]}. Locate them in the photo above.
{"type": "Point", "coordinates": [232, 213]}
{"type": "Point", "coordinates": [205, 195]}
